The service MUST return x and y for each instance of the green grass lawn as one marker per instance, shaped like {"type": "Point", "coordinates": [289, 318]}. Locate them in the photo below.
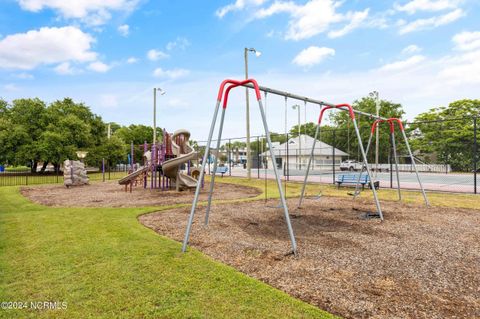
{"type": "Point", "coordinates": [17, 168]}
{"type": "Point", "coordinates": [105, 264]}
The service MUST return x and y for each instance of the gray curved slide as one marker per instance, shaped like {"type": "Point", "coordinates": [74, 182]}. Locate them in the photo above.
{"type": "Point", "coordinates": [170, 167]}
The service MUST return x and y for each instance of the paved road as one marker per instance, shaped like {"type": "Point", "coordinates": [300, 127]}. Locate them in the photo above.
{"type": "Point", "coordinates": [452, 182]}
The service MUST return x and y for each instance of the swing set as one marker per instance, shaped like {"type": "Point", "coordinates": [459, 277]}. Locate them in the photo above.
{"type": "Point", "coordinates": [391, 122]}
{"type": "Point", "coordinates": [225, 87]}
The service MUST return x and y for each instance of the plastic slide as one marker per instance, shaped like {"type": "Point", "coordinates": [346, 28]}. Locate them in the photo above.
{"type": "Point", "coordinates": [132, 176]}
{"type": "Point", "coordinates": [184, 154]}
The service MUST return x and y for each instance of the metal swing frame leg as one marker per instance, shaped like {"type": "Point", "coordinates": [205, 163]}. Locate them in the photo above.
{"type": "Point", "coordinates": [215, 163]}
{"type": "Point", "coordinates": [279, 183]}
{"type": "Point", "coordinates": [392, 136]}
{"type": "Point", "coordinates": [200, 178]}
{"type": "Point", "coordinates": [302, 195]}
{"type": "Point", "coordinates": [357, 185]}
{"type": "Point", "coordinates": [414, 166]}
{"type": "Point", "coordinates": [372, 186]}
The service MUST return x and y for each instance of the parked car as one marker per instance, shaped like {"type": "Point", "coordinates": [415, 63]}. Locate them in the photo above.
{"type": "Point", "coordinates": [350, 165]}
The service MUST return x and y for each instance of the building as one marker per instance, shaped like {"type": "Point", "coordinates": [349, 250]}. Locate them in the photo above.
{"type": "Point", "coordinates": [296, 152]}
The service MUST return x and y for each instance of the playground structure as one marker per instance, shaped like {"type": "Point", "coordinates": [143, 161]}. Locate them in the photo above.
{"type": "Point", "coordinates": [163, 163]}
{"type": "Point", "coordinates": [223, 93]}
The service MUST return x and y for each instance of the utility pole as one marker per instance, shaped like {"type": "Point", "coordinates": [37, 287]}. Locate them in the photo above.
{"type": "Point", "coordinates": [375, 95]}
{"type": "Point", "coordinates": [162, 92]}
{"type": "Point", "coordinates": [249, 162]}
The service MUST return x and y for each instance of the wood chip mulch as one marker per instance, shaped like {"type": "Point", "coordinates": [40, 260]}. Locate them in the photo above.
{"type": "Point", "coordinates": [418, 263]}
{"type": "Point", "coordinates": [111, 194]}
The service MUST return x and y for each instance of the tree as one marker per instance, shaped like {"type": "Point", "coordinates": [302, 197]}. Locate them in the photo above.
{"type": "Point", "coordinates": [112, 150]}
{"type": "Point", "coordinates": [341, 133]}
{"type": "Point", "coordinates": [138, 134]}
{"type": "Point", "coordinates": [445, 134]}
{"type": "Point", "coordinates": [307, 128]}
{"type": "Point", "coordinates": [71, 127]}
{"type": "Point", "coordinates": [27, 120]}
{"type": "Point", "coordinates": [3, 108]}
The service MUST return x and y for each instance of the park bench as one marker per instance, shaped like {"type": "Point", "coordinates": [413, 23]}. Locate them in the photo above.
{"type": "Point", "coordinates": [221, 170]}
{"type": "Point", "coordinates": [353, 178]}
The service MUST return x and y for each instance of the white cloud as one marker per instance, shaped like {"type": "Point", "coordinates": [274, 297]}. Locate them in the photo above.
{"type": "Point", "coordinates": [132, 60]}
{"type": "Point", "coordinates": [98, 66]}
{"type": "Point", "coordinates": [236, 6]}
{"type": "Point", "coordinates": [91, 12]}
{"type": "Point", "coordinates": [426, 5]}
{"type": "Point", "coordinates": [45, 46]}
{"type": "Point", "coordinates": [109, 101]}
{"type": "Point", "coordinates": [404, 64]}
{"type": "Point", "coordinates": [10, 87]}
{"type": "Point", "coordinates": [177, 103]}
{"type": "Point", "coordinates": [467, 40]}
{"type": "Point", "coordinates": [314, 17]}
{"type": "Point", "coordinates": [462, 69]}
{"type": "Point", "coordinates": [313, 55]}
{"type": "Point", "coordinates": [155, 55]}
{"type": "Point", "coordinates": [356, 20]}
{"type": "Point", "coordinates": [411, 49]}
{"type": "Point", "coordinates": [64, 69]}
{"type": "Point", "coordinates": [433, 22]}
{"type": "Point", "coordinates": [24, 76]}
{"type": "Point", "coordinates": [180, 43]}
{"type": "Point", "coordinates": [170, 74]}
{"type": "Point", "coordinates": [124, 30]}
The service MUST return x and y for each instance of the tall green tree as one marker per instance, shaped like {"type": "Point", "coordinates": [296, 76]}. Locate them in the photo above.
{"type": "Point", "coordinates": [307, 128]}
{"type": "Point", "coordinates": [28, 121]}
{"type": "Point", "coordinates": [341, 133]}
{"type": "Point", "coordinates": [445, 134]}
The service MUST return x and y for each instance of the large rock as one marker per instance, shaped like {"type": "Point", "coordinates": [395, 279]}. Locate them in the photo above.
{"type": "Point", "coordinates": [74, 173]}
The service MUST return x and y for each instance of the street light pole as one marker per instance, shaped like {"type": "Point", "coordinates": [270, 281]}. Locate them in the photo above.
{"type": "Point", "coordinates": [296, 106]}
{"type": "Point", "coordinates": [374, 94]}
{"type": "Point", "coordinates": [162, 92]}
{"type": "Point", "coordinates": [249, 163]}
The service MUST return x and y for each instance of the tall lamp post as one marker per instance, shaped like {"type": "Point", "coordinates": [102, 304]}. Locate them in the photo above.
{"type": "Point", "coordinates": [162, 92]}
{"type": "Point", "coordinates": [296, 106]}
{"type": "Point", "coordinates": [374, 95]}
{"type": "Point", "coordinates": [249, 162]}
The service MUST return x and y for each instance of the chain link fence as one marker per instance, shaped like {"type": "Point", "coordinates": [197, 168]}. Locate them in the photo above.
{"type": "Point", "coordinates": [445, 151]}
{"type": "Point", "coordinates": [24, 176]}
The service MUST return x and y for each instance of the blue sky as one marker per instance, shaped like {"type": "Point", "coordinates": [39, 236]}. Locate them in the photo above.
{"type": "Point", "coordinates": [111, 53]}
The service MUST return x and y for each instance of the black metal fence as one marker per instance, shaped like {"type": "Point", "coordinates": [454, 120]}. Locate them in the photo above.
{"type": "Point", "coordinates": [24, 176]}
{"type": "Point", "coordinates": [445, 151]}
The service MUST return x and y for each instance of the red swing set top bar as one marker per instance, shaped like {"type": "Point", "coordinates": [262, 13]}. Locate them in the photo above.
{"type": "Point", "coordinates": [305, 99]}
{"type": "Point", "coordinates": [234, 84]}
{"type": "Point", "coordinates": [391, 121]}
{"type": "Point", "coordinates": [344, 107]}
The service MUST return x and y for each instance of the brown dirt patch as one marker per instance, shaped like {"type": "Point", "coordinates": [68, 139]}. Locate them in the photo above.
{"type": "Point", "coordinates": [418, 263]}
{"type": "Point", "coordinates": [111, 194]}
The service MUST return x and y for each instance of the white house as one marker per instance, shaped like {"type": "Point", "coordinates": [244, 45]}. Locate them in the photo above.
{"type": "Point", "coordinates": [299, 149]}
